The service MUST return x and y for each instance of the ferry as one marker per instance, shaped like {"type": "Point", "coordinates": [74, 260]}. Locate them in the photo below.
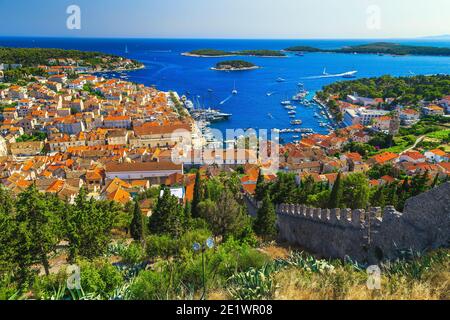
{"type": "Point", "coordinates": [210, 115]}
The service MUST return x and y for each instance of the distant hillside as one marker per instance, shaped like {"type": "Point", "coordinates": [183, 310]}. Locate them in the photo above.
{"type": "Point", "coordinates": [380, 48]}
{"type": "Point", "coordinates": [221, 53]}
{"type": "Point", "coordinates": [31, 57]}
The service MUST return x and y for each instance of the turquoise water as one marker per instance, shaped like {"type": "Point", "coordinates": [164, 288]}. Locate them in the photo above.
{"type": "Point", "coordinates": [168, 70]}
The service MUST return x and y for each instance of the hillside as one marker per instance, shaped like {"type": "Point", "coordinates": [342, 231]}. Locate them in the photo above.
{"type": "Point", "coordinates": [31, 57]}
{"type": "Point", "coordinates": [379, 48]}
{"type": "Point", "coordinates": [220, 53]}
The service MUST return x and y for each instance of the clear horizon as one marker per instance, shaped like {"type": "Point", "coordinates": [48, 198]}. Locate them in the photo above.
{"type": "Point", "coordinates": [228, 19]}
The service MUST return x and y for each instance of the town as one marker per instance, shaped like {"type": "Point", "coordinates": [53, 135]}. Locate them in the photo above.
{"type": "Point", "coordinates": [112, 161]}
{"type": "Point", "coordinates": [62, 132]}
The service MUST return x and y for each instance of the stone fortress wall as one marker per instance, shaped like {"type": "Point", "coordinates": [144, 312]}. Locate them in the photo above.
{"type": "Point", "coordinates": [372, 235]}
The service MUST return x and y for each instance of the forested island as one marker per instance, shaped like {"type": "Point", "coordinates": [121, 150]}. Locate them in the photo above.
{"type": "Point", "coordinates": [206, 53]}
{"type": "Point", "coordinates": [234, 65]}
{"type": "Point", "coordinates": [379, 48]}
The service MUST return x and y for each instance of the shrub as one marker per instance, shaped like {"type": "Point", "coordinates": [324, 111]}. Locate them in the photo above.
{"type": "Point", "coordinates": [161, 246]}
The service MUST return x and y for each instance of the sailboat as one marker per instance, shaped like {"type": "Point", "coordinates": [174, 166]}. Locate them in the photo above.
{"type": "Point", "coordinates": [126, 48]}
{"type": "Point", "coordinates": [234, 89]}
{"type": "Point", "coordinates": [325, 73]}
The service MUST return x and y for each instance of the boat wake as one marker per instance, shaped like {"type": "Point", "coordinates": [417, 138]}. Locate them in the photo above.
{"type": "Point", "coordinates": [226, 100]}
{"type": "Point", "coordinates": [349, 74]}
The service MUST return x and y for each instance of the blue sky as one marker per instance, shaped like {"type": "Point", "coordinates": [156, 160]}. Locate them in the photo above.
{"type": "Point", "coordinates": [229, 18]}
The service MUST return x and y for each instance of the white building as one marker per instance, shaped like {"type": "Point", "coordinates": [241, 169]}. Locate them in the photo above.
{"type": "Point", "coordinates": [362, 116]}
{"type": "Point", "coordinates": [155, 172]}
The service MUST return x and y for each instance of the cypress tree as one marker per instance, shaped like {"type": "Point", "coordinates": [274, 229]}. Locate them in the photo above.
{"type": "Point", "coordinates": [136, 228]}
{"type": "Point", "coordinates": [265, 223]}
{"type": "Point", "coordinates": [197, 195]}
{"type": "Point", "coordinates": [259, 191]}
{"type": "Point", "coordinates": [336, 193]}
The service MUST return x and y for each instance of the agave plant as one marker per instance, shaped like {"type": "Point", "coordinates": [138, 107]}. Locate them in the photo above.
{"type": "Point", "coordinates": [254, 284]}
{"type": "Point", "coordinates": [64, 293]}
{"type": "Point", "coordinates": [308, 263]}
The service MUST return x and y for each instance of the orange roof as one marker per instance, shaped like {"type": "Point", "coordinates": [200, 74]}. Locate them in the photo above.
{"type": "Point", "coordinates": [249, 188]}
{"type": "Point", "coordinates": [414, 155]}
{"type": "Point", "coordinates": [388, 179]}
{"type": "Point", "coordinates": [385, 157]}
{"type": "Point", "coordinates": [355, 156]}
{"type": "Point", "coordinates": [120, 196]}
{"type": "Point", "coordinates": [438, 152]}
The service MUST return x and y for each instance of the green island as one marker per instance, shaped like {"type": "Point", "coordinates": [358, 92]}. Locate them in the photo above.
{"type": "Point", "coordinates": [379, 48]}
{"type": "Point", "coordinates": [203, 53]}
{"type": "Point", "coordinates": [235, 65]}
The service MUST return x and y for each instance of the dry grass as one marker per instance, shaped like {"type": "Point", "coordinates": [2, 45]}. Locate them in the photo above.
{"type": "Point", "coordinates": [276, 252]}
{"type": "Point", "coordinates": [344, 284]}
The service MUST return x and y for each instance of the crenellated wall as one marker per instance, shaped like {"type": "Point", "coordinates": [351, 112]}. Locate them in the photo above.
{"type": "Point", "coordinates": [369, 235]}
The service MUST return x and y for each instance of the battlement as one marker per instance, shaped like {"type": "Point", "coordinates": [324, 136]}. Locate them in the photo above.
{"type": "Point", "coordinates": [356, 218]}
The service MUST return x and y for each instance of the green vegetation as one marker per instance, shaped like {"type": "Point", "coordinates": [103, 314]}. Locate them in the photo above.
{"type": "Point", "coordinates": [210, 52]}
{"type": "Point", "coordinates": [379, 48]}
{"type": "Point", "coordinates": [302, 49]}
{"type": "Point", "coordinates": [234, 65]}
{"type": "Point", "coordinates": [261, 53]}
{"type": "Point", "coordinates": [405, 90]}
{"type": "Point", "coordinates": [352, 191]}
{"type": "Point", "coordinates": [221, 53]}
{"type": "Point", "coordinates": [36, 136]}
{"type": "Point", "coordinates": [40, 230]}
{"type": "Point", "coordinates": [24, 73]}
{"type": "Point", "coordinates": [396, 49]}
{"type": "Point", "coordinates": [32, 57]}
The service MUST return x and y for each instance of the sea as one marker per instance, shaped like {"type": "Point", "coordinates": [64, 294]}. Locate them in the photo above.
{"type": "Point", "coordinates": [257, 104]}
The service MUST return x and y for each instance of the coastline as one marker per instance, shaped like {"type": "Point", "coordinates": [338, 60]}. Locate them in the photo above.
{"type": "Point", "coordinates": [187, 54]}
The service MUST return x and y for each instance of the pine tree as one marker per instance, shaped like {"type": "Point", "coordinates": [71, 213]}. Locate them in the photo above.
{"type": "Point", "coordinates": [336, 193]}
{"type": "Point", "coordinates": [136, 228]}
{"type": "Point", "coordinates": [265, 223]}
{"type": "Point", "coordinates": [197, 195]}
{"type": "Point", "coordinates": [260, 187]}
{"type": "Point", "coordinates": [42, 220]}
{"type": "Point", "coordinates": [378, 198]}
